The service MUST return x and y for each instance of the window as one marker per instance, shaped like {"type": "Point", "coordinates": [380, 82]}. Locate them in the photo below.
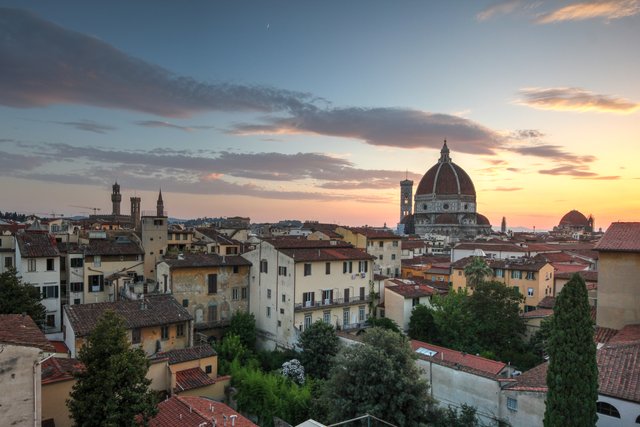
{"type": "Point", "coordinates": [179, 330]}
{"type": "Point", "coordinates": [530, 292]}
{"type": "Point", "coordinates": [346, 295]}
{"type": "Point", "coordinates": [517, 289]}
{"type": "Point", "coordinates": [516, 274]}
{"type": "Point", "coordinates": [327, 268]}
{"type": "Point", "coordinates": [31, 265]}
{"type": "Point", "coordinates": [8, 262]}
{"type": "Point", "coordinates": [269, 293]}
{"type": "Point", "coordinates": [395, 243]}
{"type": "Point", "coordinates": [531, 275]}
{"type": "Point", "coordinates": [499, 272]}
{"type": "Point", "coordinates": [264, 266]}
{"type": "Point", "coordinates": [362, 293]}
{"type": "Point", "coordinates": [282, 271]}
{"type": "Point", "coordinates": [212, 283]}
{"type": "Point", "coordinates": [213, 313]}
{"type": "Point", "coordinates": [279, 323]}
{"type": "Point", "coordinates": [459, 272]}
{"type": "Point", "coordinates": [393, 256]}
{"type": "Point", "coordinates": [282, 311]}
{"type": "Point", "coordinates": [361, 314]}
{"type": "Point", "coordinates": [243, 293]}
{"type": "Point", "coordinates": [605, 408]}
{"type": "Point", "coordinates": [284, 298]}
{"type": "Point", "coordinates": [185, 303]}
{"type": "Point", "coordinates": [327, 297]}
{"type": "Point", "coordinates": [415, 301]}
{"type": "Point", "coordinates": [51, 320]}
{"type": "Point", "coordinates": [269, 312]}
{"type": "Point", "coordinates": [236, 269]}
{"type": "Point", "coordinates": [307, 320]}
{"type": "Point", "coordinates": [97, 261]}
{"type": "Point", "coordinates": [345, 317]}
{"type": "Point", "coordinates": [380, 257]}
{"type": "Point", "coordinates": [308, 298]}
{"type": "Point", "coordinates": [307, 269]}
{"type": "Point", "coordinates": [96, 283]}
{"type": "Point", "coordinates": [235, 294]}
{"type": "Point", "coordinates": [76, 301]}
{"type": "Point", "coordinates": [512, 404]}
{"type": "Point", "coordinates": [208, 369]}
{"type": "Point", "coordinates": [164, 333]}
{"type": "Point", "coordinates": [76, 286]}
{"type": "Point", "coordinates": [136, 336]}
{"type": "Point", "coordinates": [347, 267]}
{"type": "Point", "coordinates": [363, 266]}
{"type": "Point", "coordinates": [76, 262]}
{"type": "Point", "coordinates": [381, 243]}
{"type": "Point", "coordinates": [326, 316]}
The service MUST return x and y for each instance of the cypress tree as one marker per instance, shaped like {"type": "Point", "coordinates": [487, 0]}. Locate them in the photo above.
{"type": "Point", "coordinates": [572, 377]}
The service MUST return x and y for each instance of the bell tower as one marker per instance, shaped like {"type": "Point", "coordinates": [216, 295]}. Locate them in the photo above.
{"type": "Point", "coordinates": [406, 198]}
{"type": "Point", "coordinates": [116, 198]}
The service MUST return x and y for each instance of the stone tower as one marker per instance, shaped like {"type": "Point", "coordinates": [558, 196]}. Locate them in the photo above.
{"type": "Point", "coordinates": [160, 205]}
{"type": "Point", "coordinates": [503, 226]}
{"type": "Point", "coordinates": [406, 198]}
{"type": "Point", "coordinates": [116, 198]}
{"type": "Point", "coordinates": [135, 212]}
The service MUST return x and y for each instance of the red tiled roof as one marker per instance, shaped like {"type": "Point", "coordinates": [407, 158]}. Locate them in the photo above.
{"type": "Point", "coordinates": [493, 247]}
{"type": "Point", "coordinates": [410, 291]}
{"type": "Point", "coordinates": [60, 346]}
{"type": "Point", "coordinates": [122, 245]}
{"type": "Point", "coordinates": [535, 379]}
{"type": "Point", "coordinates": [412, 244]}
{"type": "Point", "coordinates": [301, 243]}
{"type": "Point", "coordinates": [153, 311]}
{"type": "Point", "coordinates": [175, 412]}
{"type": "Point", "coordinates": [459, 359]}
{"type": "Point", "coordinates": [56, 369]}
{"type": "Point", "coordinates": [35, 245]}
{"type": "Point", "coordinates": [540, 312]}
{"type": "Point", "coordinates": [621, 237]}
{"type": "Point", "coordinates": [604, 335]}
{"type": "Point", "coordinates": [574, 218]}
{"type": "Point", "coordinates": [17, 329]}
{"type": "Point", "coordinates": [187, 354]}
{"type": "Point", "coordinates": [327, 254]}
{"type": "Point", "coordinates": [373, 233]}
{"type": "Point", "coordinates": [209, 408]}
{"type": "Point", "coordinates": [189, 379]}
{"type": "Point", "coordinates": [619, 371]}
{"type": "Point", "coordinates": [206, 260]}
{"type": "Point", "coordinates": [587, 275]}
{"type": "Point", "coordinates": [547, 302]}
{"type": "Point", "coordinates": [525, 264]}
{"type": "Point", "coordinates": [628, 333]}
{"type": "Point", "coordinates": [569, 268]}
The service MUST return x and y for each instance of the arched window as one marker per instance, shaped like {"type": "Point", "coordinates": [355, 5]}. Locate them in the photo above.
{"type": "Point", "coordinates": [638, 420]}
{"type": "Point", "coordinates": [607, 409]}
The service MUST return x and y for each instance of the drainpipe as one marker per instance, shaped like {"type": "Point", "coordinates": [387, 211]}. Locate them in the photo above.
{"type": "Point", "coordinates": [36, 381]}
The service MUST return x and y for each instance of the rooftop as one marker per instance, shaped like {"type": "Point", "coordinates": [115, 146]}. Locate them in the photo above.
{"type": "Point", "coordinates": [302, 243]}
{"type": "Point", "coordinates": [458, 359]}
{"type": "Point", "coordinates": [410, 290]}
{"type": "Point", "coordinates": [327, 254]}
{"type": "Point", "coordinates": [21, 330]}
{"type": "Point", "coordinates": [621, 237]}
{"type": "Point", "coordinates": [121, 245]}
{"type": "Point", "coordinates": [619, 371]}
{"type": "Point", "coordinates": [36, 245]}
{"type": "Point", "coordinates": [152, 311]}
{"type": "Point", "coordinates": [207, 260]}
{"type": "Point", "coordinates": [56, 369]}
{"type": "Point", "coordinates": [191, 411]}
{"type": "Point", "coordinates": [374, 233]}
{"type": "Point", "coordinates": [525, 264]}
{"type": "Point", "coordinates": [186, 354]}
{"type": "Point", "coordinates": [189, 379]}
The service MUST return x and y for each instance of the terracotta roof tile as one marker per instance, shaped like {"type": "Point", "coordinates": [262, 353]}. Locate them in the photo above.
{"type": "Point", "coordinates": [209, 408]}
{"type": "Point", "coordinates": [217, 237]}
{"type": "Point", "coordinates": [547, 302]}
{"type": "Point", "coordinates": [410, 291]}
{"type": "Point", "coordinates": [36, 245]}
{"type": "Point", "coordinates": [524, 264]}
{"type": "Point", "coordinates": [189, 379]}
{"type": "Point", "coordinates": [412, 244]}
{"type": "Point", "coordinates": [327, 254]}
{"type": "Point", "coordinates": [535, 379]}
{"type": "Point", "coordinates": [373, 233]}
{"type": "Point", "coordinates": [621, 237]}
{"type": "Point", "coordinates": [301, 243]}
{"type": "Point", "coordinates": [207, 260]}
{"type": "Point", "coordinates": [175, 412]}
{"type": "Point", "coordinates": [540, 312]}
{"type": "Point", "coordinates": [459, 359]}
{"type": "Point", "coordinates": [604, 335]}
{"type": "Point", "coordinates": [156, 310]}
{"type": "Point", "coordinates": [121, 245]}
{"type": "Point", "coordinates": [587, 275]}
{"type": "Point", "coordinates": [56, 369]}
{"type": "Point", "coordinates": [187, 354]}
{"type": "Point", "coordinates": [628, 333]}
{"type": "Point", "coordinates": [17, 329]}
{"type": "Point", "coordinates": [619, 371]}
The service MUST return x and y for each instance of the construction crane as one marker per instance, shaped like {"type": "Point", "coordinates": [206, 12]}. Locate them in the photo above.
{"type": "Point", "coordinates": [95, 210]}
{"type": "Point", "coordinates": [50, 214]}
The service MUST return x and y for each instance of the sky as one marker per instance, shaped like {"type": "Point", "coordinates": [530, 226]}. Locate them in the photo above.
{"type": "Point", "coordinates": [316, 110]}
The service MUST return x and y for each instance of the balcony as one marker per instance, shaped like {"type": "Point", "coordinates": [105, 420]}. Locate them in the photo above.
{"type": "Point", "coordinates": [330, 303]}
{"type": "Point", "coordinates": [136, 291]}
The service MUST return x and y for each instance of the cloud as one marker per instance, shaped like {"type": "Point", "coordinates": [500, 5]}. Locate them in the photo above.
{"type": "Point", "coordinates": [10, 162]}
{"type": "Point", "coordinates": [574, 99]}
{"type": "Point", "coordinates": [570, 170]}
{"type": "Point", "coordinates": [602, 178]}
{"type": "Point", "coordinates": [554, 152]}
{"type": "Point", "coordinates": [501, 8]}
{"type": "Point", "coordinates": [88, 125]}
{"type": "Point", "coordinates": [162, 124]}
{"type": "Point", "coordinates": [44, 64]}
{"type": "Point", "coordinates": [507, 189]}
{"type": "Point", "coordinates": [391, 127]}
{"type": "Point", "coordinates": [609, 10]}
{"type": "Point", "coordinates": [527, 134]}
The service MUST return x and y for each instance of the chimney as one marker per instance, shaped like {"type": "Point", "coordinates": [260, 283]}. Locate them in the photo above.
{"type": "Point", "coordinates": [233, 420]}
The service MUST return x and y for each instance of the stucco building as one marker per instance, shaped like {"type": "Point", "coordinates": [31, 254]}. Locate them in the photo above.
{"type": "Point", "coordinates": [383, 245]}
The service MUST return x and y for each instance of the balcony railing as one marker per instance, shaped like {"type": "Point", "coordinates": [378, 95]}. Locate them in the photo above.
{"type": "Point", "coordinates": [313, 305]}
{"type": "Point", "coordinates": [135, 291]}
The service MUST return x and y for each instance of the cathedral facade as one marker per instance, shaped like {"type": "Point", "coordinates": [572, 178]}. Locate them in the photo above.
{"type": "Point", "coordinates": [444, 204]}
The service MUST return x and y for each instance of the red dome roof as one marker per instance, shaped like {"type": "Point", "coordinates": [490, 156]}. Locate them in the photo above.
{"type": "Point", "coordinates": [446, 177]}
{"type": "Point", "coordinates": [574, 218]}
{"type": "Point", "coordinates": [446, 218]}
{"type": "Point", "coordinates": [482, 220]}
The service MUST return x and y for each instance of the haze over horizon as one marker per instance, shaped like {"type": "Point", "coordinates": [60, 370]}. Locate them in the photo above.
{"type": "Point", "coordinates": [316, 111]}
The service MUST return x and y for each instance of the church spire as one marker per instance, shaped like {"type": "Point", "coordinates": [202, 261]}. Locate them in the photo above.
{"type": "Point", "coordinates": [444, 153]}
{"type": "Point", "coordinates": [160, 205]}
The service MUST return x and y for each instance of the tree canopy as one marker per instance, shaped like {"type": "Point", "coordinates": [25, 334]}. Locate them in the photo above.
{"type": "Point", "coordinates": [379, 378]}
{"type": "Point", "coordinates": [319, 344]}
{"type": "Point", "coordinates": [112, 390]}
{"type": "Point", "coordinates": [17, 297]}
{"type": "Point", "coordinates": [243, 325]}
{"type": "Point", "coordinates": [572, 376]}
{"type": "Point", "coordinates": [422, 326]}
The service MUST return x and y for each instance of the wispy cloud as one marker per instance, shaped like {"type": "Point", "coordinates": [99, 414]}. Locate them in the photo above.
{"type": "Point", "coordinates": [507, 189]}
{"type": "Point", "coordinates": [575, 99]}
{"type": "Point", "coordinates": [580, 11]}
{"type": "Point", "coordinates": [553, 152]}
{"type": "Point", "coordinates": [569, 170]}
{"type": "Point", "coordinates": [497, 9]}
{"type": "Point", "coordinates": [89, 126]}
{"type": "Point", "coordinates": [602, 178]}
{"type": "Point", "coordinates": [162, 124]}
{"type": "Point", "coordinates": [527, 134]}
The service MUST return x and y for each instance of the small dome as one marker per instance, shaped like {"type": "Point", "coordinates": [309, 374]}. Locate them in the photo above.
{"type": "Point", "coordinates": [574, 218]}
{"type": "Point", "coordinates": [446, 177]}
{"type": "Point", "coordinates": [446, 218]}
{"type": "Point", "coordinates": [482, 220]}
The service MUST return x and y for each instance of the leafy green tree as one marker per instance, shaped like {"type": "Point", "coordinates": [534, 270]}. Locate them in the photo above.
{"type": "Point", "coordinates": [17, 297]}
{"type": "Point", "coordinates": [230, 349]}
{"type": "Point", "coordinates": [422, 325]}
{"type": "Point", "coordinates": [451, 417]}
{"type": "Point", "coordinates": [476, 271]}
{"type": "Point", "coordinates": [384, 323]}
{"type": "Point", "coordinates": [319, 344]}
{"type": "Point", "coordinates": [498, 325]}
{"type": "Point", "coordinates": [572, 376]}
{"type": "Point", "coordinates": [454, 322]}
{"type": "Point", "coordinates": [112, 390]}
{"type": "Point", "coordinates": [244, 325]}
{"type": "Point", "coordinates": [379, 377]}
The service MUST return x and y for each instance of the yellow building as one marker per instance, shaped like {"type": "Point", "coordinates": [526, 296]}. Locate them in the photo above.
{"type": "Point", "coordinates": [154, 324]}
{"type": "Point", "coordinates": [532, 278]}
{"type": "Point", "coordinates": [383, 245]}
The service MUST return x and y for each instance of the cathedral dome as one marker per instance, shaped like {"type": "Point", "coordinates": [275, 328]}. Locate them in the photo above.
{"type": "Point", "coordinates": [445, 178]}
{"type": "Point", "coordinates": [482, 220]}
{"type": "Point", "coordinates": [574, 218]}
{"type": "Point", "coordinates": [446, 218]}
